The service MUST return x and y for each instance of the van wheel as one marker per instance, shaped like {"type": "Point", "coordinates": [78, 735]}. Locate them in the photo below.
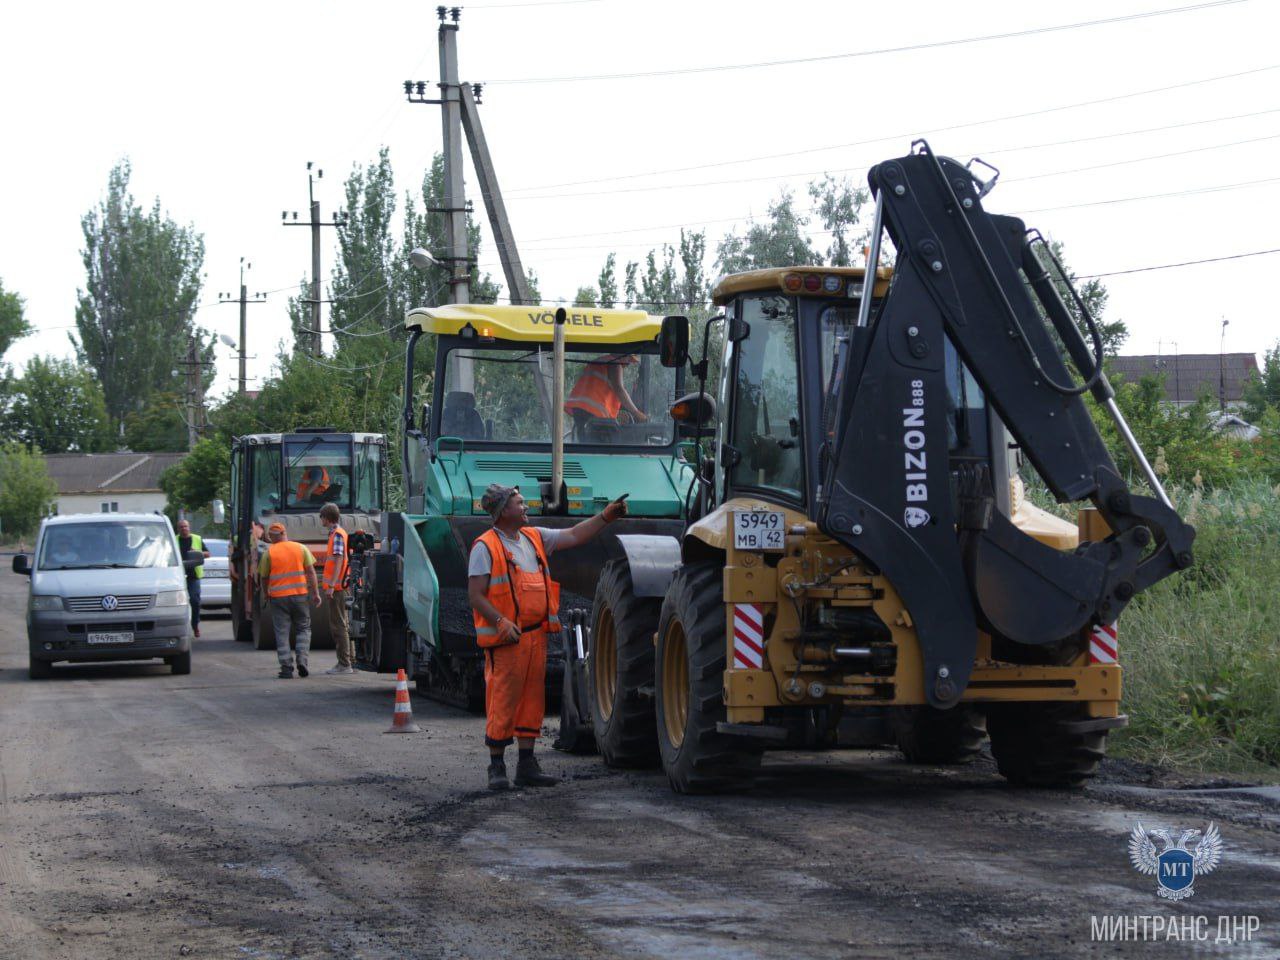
{"type": "Point", "coordinates": [39, 669]}
{"type": "Point", "coordinates": [181, 664]}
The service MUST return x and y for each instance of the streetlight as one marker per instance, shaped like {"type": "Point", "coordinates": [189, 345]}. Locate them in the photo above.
{"type": "Point", "coordinates": [423, 260]}
{"type": "Point", "coordinates": [227, 340]}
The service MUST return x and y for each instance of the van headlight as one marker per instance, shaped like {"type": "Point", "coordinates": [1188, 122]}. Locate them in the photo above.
{"type": "Point", "coordinates": [171, 598]}
{"type": "Point", "coordinates": [45, 602]}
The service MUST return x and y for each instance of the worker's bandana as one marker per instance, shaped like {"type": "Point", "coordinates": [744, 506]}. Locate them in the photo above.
{"type": "Point", "coordinates": [495, 499]}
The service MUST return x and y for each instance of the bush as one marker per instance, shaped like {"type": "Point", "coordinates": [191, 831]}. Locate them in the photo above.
{"type": "Point", "coordinates": [1199, 649]}
{"type": "Point", "coordinates": [27, 494]}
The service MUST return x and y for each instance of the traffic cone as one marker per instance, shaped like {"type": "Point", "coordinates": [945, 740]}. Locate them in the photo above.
{"type": "Point", "coordinates": [402, 719]}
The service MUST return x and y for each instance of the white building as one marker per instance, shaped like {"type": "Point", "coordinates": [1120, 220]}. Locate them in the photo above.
{"type": "Point", "coordinates": [109, 482]}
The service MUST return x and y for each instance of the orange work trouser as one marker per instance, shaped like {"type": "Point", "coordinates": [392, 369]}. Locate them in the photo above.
{"type": "Point", "coordinates": [515, 674]}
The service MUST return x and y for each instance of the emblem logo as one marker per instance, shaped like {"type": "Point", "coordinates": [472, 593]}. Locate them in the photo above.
{"type": "Point", "coordinates": [1175, 867]}
{"type": "Point", "coordinates": [109, 602]}
{"type": "Point", "coordinates": [915, 517]}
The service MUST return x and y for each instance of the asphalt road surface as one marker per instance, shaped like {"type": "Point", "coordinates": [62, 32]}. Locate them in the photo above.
{"type": "Point", "coordinates": [231, 814]}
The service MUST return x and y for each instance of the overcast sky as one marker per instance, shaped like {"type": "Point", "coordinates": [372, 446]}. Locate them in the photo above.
{"type": "Point", "coordinates": [1150, 141]}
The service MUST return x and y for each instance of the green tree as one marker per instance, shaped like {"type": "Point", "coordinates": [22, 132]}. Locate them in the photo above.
{"type": "Point", "coordinates": [781, 240]}
{"type": "Point", "coordinates": [1263, 392]}
{"type": "Point", "coordinates": [13, 322]}
{"type": "Point", "coordinates": [158, 427]}
{"type": "Point", "coordinates": [1093, 293]}
{"type": "Point", "coordinates": [135, 316]}
{"type": "Point", "coordinates": [838, 204]}
{"type": "Point", "coordinates": [607, 282]}
{"type": "Point", "coordinates": [585, 297]}
{"type": "Point", "coordinates": [58, 406]}
{"type": "Point", "coordinates": [200, 478]}
{"type": "Point", "coordinates": [27, 493]}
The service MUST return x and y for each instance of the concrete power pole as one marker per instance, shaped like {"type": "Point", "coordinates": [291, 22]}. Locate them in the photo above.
{"type": "Point", "coordinates": [458, 114]}
{"type": "Point", "coordinates": [195, 390]}
{"type": "Point", "coordinates": [315, 223]}
{"type": "Point", "coordinates": [244, 300]}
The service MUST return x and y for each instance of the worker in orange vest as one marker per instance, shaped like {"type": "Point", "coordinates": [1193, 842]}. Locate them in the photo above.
{"type": "Point", "coordinates": [288, 574]}
{"type": "Point", "coordinates": [314, 482]}
{"type": "Point", "coordinates": [333, 585]}
{"type": "Point", "coordinates": [515, 604]}
{"type": "Point", "coordinates": [599, 395]}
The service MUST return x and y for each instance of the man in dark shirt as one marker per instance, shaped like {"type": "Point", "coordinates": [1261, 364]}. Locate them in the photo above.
{"type": "Point", "coordinates": [187, 542]}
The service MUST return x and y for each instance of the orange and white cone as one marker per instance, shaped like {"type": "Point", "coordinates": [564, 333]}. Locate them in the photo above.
{"type": "Point", "coordinates": [402, 719]}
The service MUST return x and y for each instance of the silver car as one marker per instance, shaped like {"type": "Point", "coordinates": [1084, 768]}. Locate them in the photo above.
{"type": "Point", "coordinates": [215, 587]}
{"type": "Point", "coordinates": [106, 587]}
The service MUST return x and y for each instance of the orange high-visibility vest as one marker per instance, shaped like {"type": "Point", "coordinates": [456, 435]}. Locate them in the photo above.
{"type": "Point", "coordinates": [501, 594]}
{"type": "Point", "coordinates": [288, 576]}
{"type": "Point", "coordinates": [593, 393]}
{"type": "Point", "coordinates": [335, 564]}
{"type": "Point", "coordinates": [306, 488]}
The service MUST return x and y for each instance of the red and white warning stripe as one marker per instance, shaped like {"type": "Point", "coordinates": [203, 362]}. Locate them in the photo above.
{"type": "Point", "coordinates": [1103, 647]}
{"type": "Point", "coordinates": [748, 636]}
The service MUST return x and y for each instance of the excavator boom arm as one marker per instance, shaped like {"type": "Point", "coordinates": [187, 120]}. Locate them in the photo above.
{"type": "Point", "coordinates": [894, 491]}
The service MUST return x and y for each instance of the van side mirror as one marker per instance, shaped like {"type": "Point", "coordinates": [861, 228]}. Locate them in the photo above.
{"type": "Point", "coordinates": [673, 342]}
{"type": "Point", "coordinates": [219, 511]}
{"type": "Point", "coordinates": [20, 565]}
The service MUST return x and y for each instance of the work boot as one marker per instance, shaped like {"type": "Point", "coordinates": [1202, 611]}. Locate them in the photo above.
{"type": "Point", "coordinates": [303, 671]}
{"type": "Point", "coordinates": [286, 672]}
{"type": "Point", "coordinates": [529, 774]}
{"type": "Point", "coordinates": [498, 775]}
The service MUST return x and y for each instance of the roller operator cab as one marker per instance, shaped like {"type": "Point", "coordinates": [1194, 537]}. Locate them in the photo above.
{"type": "Point", "coordinates": [862, 546]}
{"type": "Point", "coordinates": [490, 418]}
{"type": "Point", "coordinates": [286, 478]}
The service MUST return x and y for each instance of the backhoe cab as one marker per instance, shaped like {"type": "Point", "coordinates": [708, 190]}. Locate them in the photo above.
{"type": "Point", "coordinates": [861, 538]}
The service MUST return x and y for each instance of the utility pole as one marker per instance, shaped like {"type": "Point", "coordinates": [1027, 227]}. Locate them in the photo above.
{"type": "Point", "coordinates": [315, 223]}
{"type": "Point", "coordinates": [1222, 371]}
{"type": "Point", "coordinates": [195, 390]}
{"type": "Point", "coordinates": [244, 301]}
{"type": "Point", "coordinates": [458, 114]}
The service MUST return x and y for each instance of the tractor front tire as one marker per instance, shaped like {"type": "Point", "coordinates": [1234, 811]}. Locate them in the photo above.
{"type": "Point", "coordinates": [1037, 745]}
{"type": "Point", "coordinates": [689, 680]}
{"type": "Point", "coordinates": [619, 665]}
{"type": "Point", "coordinates": [931, 736]}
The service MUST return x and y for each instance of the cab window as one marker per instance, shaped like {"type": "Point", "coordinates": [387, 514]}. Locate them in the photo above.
{"type": "Point", "coordinates": [766, 405]}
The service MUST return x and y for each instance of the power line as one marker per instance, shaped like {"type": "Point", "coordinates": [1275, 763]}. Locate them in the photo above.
{"type": "Point", "coordinates": [1154, 196]}
{"type": "Point", "coordinates": [1184, 263]}
{"type": "Point", "coordinates": [933, 45]}
{"type": "Point", "coordinates": [1155, 156]}
{"type": "Point", "coordinates": [910, 134]}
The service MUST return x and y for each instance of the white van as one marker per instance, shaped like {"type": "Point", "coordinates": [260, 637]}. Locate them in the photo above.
{"type": "Point", "coordinates": [106, 587]}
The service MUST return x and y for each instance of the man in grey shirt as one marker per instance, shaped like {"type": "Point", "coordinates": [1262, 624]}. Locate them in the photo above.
{"type": "Point", "coordinates": [514, 601]}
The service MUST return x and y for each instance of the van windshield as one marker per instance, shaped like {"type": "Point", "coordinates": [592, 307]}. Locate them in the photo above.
{"type": "Point", "coordinates": [92, 546]}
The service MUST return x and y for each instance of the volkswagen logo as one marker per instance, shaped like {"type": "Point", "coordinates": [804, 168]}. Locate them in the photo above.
{"type": "Point", "coordinates": [109, 602]}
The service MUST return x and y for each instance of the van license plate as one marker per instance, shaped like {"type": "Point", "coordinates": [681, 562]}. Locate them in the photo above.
{"type": "Point", "coordinates": [758, 530]}
{"type": "Point", "coordinates": [111, 638]}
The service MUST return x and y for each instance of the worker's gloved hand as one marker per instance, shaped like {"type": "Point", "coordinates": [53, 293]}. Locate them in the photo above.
{"type": "Point", "coordinates": [508, 632]}
{"type": "Point", "coordinates": [614, 511]}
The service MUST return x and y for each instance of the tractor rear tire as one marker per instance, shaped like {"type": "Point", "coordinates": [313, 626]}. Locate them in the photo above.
{"type": "Point", "coordinates": [264, 634]}
{"type": "Point", "coordinates": [620, 663]}
{"type": "Point", "coordinates": [689, 680]}
{"type": "Point", "coordinates": [1034, 745]}
{"type": "Point", "coordinates": [931, 736]}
